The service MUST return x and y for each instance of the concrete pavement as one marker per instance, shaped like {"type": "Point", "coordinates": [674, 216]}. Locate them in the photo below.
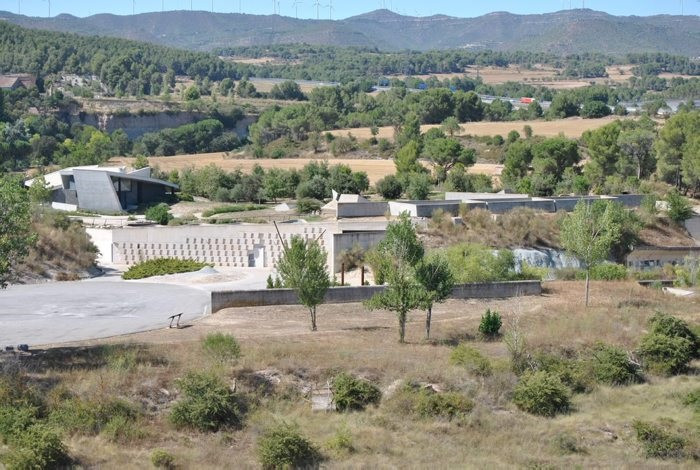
{"type": "Point", "coordinates": [74, 311]}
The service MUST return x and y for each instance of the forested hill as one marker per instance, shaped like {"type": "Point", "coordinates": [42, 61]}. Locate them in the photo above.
{"type": "Point", "coordinates": [569, 31]}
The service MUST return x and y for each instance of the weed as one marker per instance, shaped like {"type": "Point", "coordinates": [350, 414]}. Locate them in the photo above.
{"type": "Point", "coordinates": [490, 325]}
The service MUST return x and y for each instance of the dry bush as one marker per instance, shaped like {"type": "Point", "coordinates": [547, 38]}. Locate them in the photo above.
{"type": "Point", "coordinates": [63, 249]}
{"type": "Point", "coordinates": [517, 228]}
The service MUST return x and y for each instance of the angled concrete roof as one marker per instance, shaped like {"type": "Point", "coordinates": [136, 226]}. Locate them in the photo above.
{"type": "Point", "coordinates": [53, 180]}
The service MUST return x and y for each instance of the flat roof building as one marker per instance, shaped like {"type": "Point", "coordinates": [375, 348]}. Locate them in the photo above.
{"type": "Point", "coordinates": [105, 189]}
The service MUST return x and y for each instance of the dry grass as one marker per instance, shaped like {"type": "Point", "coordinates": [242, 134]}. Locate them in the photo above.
{"type": "Point", "coordinates": [376, 169]}
{"type": "Point", "coordinates": [63, 250]}
{"type": "Point", "coordinates": [517, 228]}
{"type": "Point", "coordinates": [570, 127]}
{"type": "Point", "coordinates": [494, 435]}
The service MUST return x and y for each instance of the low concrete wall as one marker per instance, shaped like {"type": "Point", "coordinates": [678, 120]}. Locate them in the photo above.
{"type": "Point", "coordinates": [338, 295]}
{"type": "Point", "coordinates": [501, 207]}
{"type": "Point", "coordinates": [362, 209]}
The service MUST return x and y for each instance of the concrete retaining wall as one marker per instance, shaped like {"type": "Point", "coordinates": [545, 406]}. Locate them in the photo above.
{"type": "Point", "coordinates": [338, 295]}
{"type": "Point", "coordinates": [501, 207]}
{"type": "Point", "coordinates": [362, 209]}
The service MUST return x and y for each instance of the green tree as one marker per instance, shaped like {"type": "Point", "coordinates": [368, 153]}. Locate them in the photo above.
{"type": "Point", "coordinates": [406, 159]}
{"type": "Point", "coordinates": [637, 145]}
{"type": "Point", "coordinates": [192, 93]}
{"type": "Point", "coordinates": [16, 236]}
{"type": "Point", "coordinates": [674, 144]}
{"type": "Point", "coordinates": [451, 126]}
{"type": "Point", "coordinates": [679, 209]}
{"type": "Point", "coordinates": [303, 268]}
{"type": "Point", "coordinates": [140, 162]}
{"type": "Point", "coordinates": [446, 153]}
{"type": "Point", "coordinates": [401, 251]}
{"type": "Point", "coordinates": [408, 131]}
{"type": "Point", "coordinates": [39, 191]}
{"type": "Point", "coordinates": [468, 107]}
{"type": "Point", "coordinates": [274, 185]}
{"type": "Point", "coordinates": [436, 278]}
{"type": "Point", "coordinates": [589, 233]}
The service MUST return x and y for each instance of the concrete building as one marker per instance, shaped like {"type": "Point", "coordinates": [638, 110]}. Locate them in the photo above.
{"type": "Point", "coordinates": [235, 245]}
{"type": "Point", "coordinates": [650, 257]}
{"type": "Point", "coordinates": [104, 189]}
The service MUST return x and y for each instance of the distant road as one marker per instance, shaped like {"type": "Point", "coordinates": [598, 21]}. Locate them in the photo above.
{"type": "Point", "coordinates": [61, 312]}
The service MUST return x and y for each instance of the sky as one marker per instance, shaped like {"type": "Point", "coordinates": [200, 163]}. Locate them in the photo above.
{"type": "Point", "coordinates": [347, 8]}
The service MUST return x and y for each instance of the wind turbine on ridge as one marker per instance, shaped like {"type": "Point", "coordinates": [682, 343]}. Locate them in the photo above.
{"type": "Point", "coordinates": [318, 9]}
{"type": "Point", "coordinates": [296, 7]}
{"type": "Point", "coordinates": [330, 10]}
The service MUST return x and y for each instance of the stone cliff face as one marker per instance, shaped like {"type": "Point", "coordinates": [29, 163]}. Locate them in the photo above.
{"type": "Point", "coordinates": [135, 125]}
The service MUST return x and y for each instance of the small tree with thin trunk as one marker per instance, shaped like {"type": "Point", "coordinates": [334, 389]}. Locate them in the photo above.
{"type": "Point", "coordinates": [436, 278]}
{"type": "Point", "coordinates": [16, 236]}
{"type": "Point", "coordinates": [589, 233]}
{"type": "Point", "coordinates": [401, 251]}
{"type": "Point", "coordinates": [303, 268]}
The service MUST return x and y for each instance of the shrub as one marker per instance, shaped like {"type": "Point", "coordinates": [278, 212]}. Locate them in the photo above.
{"type": "Point", "coordinates": [208, 404]}
{"type": "Point", "coordinates": [471, 359]}
{"type": "Point", "coordinates": [159, 214]}
{"type": "Point", "coordinates": [221, 346]}
{"type": "Point", "coordinates": [572, 373]}
{"type": "Point", "coordinates": [89, 417]}
{"type": "Point", "coordinates": [162, 266]}
{"type": "Point", "coordinates": [608, 272]}
{"type": "Point", "coordinates": [692, 399]}
{"type": "Point", "coordinates": [679, 209]}
{"type": "Point", "coordinates": [233, 208]}
{"type": "Point", "coordinates": [611, 366]}
{"type": "Point", "coordinates": [308, 206]}
{"type": "Point", "coordinates": [665, 354]}
{"type": "Point", "coordinates": [490, 324]}
{"type": "Point", "coordinates": [162, 459]}
{"type": "Point", "coordinates": [668, 325]}
{"type": "Point", "coordinates": [389, 187]}
{"type": "Point", "coordinates": [351, 393]}
{"type": "Point", "coordinates": [15, 420]}
{"type": "Point", "coordinates": [418, 187]}
{"type": "Point", "coordinates": [448, 405]}
{"type": "Point", "coordinates": [37, 447]}
{"type": "Point", "coordinates": [283, 447]}
{"type": "Point", "coordinates": [542, 393]}
{"type": "Point", "coordinates": [658, 442]}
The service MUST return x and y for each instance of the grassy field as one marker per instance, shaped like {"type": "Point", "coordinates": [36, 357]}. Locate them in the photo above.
{"type": "Point", "coordinates": [281, 359]}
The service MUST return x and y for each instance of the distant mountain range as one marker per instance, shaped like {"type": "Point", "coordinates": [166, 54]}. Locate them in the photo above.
{"type": "Point", "coordinates": [563, 32]}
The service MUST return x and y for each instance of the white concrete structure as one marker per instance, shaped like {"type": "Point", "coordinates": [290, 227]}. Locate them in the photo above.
{"type": "Point", "coordinates": [239, 245]}
{"type": "Point", "coordinates": [104, 189]}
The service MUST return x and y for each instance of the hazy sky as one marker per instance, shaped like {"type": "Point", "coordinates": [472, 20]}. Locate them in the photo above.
{"type": "Point", "coordinates": [345, 8]}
